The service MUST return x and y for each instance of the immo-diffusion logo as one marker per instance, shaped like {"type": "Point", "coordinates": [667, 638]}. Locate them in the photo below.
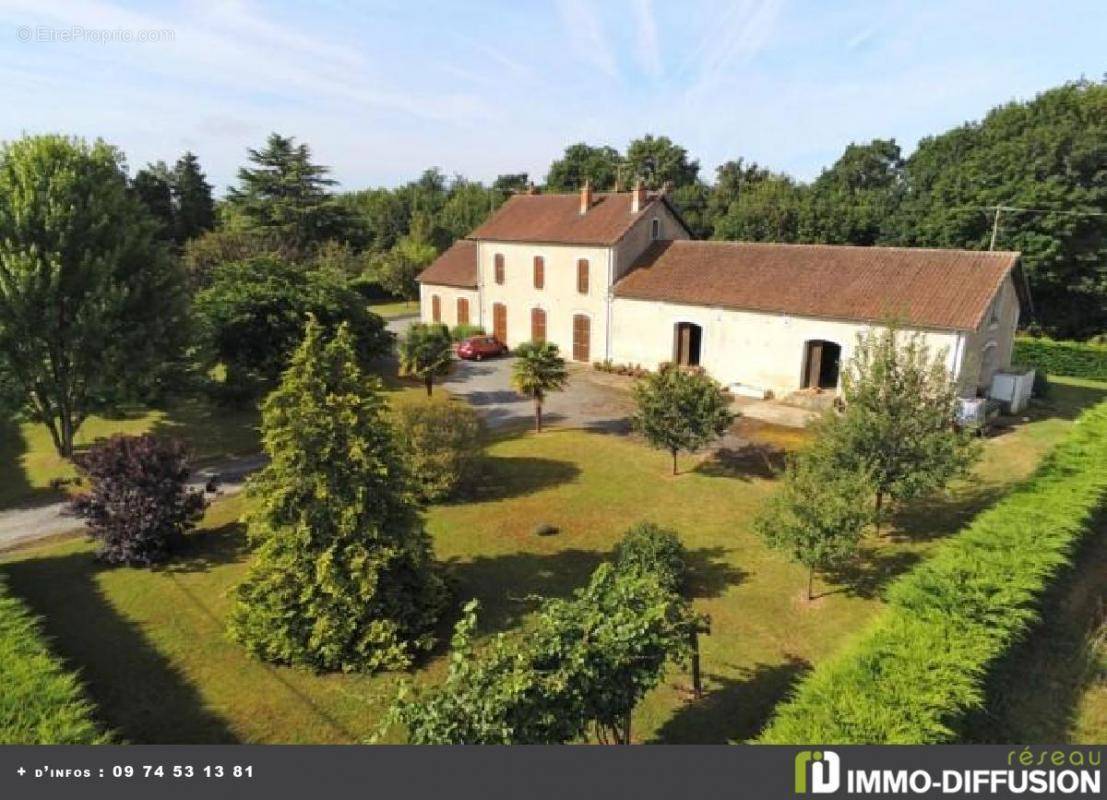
{"type": "Point", "coordinates": [825, 768]}
{"type": "Point", "coordinates": [1054, 772]}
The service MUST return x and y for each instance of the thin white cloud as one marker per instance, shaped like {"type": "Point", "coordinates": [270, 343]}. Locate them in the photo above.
{"type": "Point", "coordinates": [584, 29]}
{"type": "Point", "coordinates": [647, 46]}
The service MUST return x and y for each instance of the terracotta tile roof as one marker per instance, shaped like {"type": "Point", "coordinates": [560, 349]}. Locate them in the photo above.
{"type": "Point", "coordinates": [455, 267]}
{"type": "Point", "coordinates": [937, 289]}
{"type": "Point", "coordinates": [556, 219]}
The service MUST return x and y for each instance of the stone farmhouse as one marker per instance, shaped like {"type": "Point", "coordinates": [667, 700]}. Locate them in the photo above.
{"type": "Point", "coordinates": [617, 277]}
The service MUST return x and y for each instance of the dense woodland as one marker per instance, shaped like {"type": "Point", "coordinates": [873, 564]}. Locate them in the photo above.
{"type": "Point", "coordinates": [1044, 161]}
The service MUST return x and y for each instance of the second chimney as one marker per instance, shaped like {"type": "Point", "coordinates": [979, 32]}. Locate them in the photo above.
{"type": "Point", "coordinates": [638, 197]}
{"type": "Point", "coordinates": [585, 198]}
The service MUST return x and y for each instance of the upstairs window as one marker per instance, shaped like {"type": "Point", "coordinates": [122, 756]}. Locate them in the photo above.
{"type": "Point", "coordinates": [498, 268]}
{"type": "Point", "coordinates": [582, 275]}
{"type": "Point", "coordinates": [539, 272]}
{"type": "Point", "coordinates": [655, 229]}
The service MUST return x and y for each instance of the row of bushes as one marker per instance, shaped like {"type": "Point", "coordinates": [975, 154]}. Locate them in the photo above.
{"type": "Point", "coordinates": [922, 667]}
{"type": "Point", "coordinates": [633, 370]}
{"type": "Point", "coordinates": [1073, 359]}
{"type": "Point", "coordinates": [40, 702]}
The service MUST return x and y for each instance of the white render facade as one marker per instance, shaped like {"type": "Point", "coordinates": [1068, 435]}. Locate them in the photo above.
{"type": "Point", "coordinates": [568, 293]}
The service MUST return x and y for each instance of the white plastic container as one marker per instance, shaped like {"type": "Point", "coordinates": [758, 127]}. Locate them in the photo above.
{"type": "Point", "coordinates": [1012, 389]}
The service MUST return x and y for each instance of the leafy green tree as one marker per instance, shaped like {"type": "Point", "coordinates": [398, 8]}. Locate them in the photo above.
{"type": "Point", "coordinates": [342, 577]}
{"type": "Point", "coordinates": [440, 441]}
{"type": "Point", "coordinates": [691, 201]}
{"type": "Point", "coordinates": [583, 162]}
{"type": "Point", "coordinates": [154, 187]}
{"type": "Point", "coordinates": [680, 409]}
{"type": "Point", "coordinates": [582, 667]}
{"type": "Point", "coordinates": [1046, 154]}
{"type": "Point", "coordinates": [658, 160]}
{"type": "Point", "coordinates": [397, 270]}
{"type": "Point", "coordinates": [376, 219]}
{"type": "Point", "coordinates": [426, 352]}
{"type": "Point", "coordinates": [468, 205]}
{"type": "Point", "coordinates": [252, 316]}
{"type": "Point", "coordinates": [650, 549]}
{"type": "Point", "coordinates": [93, 311]}
{"type": "Point", "coordinates": [854, 200]}
{"type": "Point", "coordinates": [769, 208]}
{"type": "Point", "coordinates": [284, 191]}
{"type": "Point", "coordinates": [538, 370]}
{"type": "Point", "coordinates": [897, 426]}
{"type": "Point", "coordinates": [194, 209]}
{"type": "Point", "coordinates": [818, 514]}
{"type": "Point", "coordinates": [206, 254]}
{"type": "Point", "coordinates": [512, 182]}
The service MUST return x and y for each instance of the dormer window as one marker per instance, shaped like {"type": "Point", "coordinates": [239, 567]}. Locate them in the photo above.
{"type": "Point", "coordinates": [655, 229]}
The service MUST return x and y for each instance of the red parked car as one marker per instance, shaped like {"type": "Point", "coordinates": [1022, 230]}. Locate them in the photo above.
{"type": "Point", "coordinates": [478, 348]}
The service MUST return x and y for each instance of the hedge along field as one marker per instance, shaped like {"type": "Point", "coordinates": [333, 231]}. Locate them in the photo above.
{"type": "Point", "coordinates": [41, 702]}
{"type": "Point", "coordinates": [921, 667]}
{"type": "Point", "coordinates": [1074, 359]}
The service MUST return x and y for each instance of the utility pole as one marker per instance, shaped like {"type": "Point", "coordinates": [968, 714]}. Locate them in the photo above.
{"type": "Point", "coordinates": [995, 228]}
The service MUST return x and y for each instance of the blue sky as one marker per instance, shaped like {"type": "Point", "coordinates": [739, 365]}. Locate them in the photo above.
{"type": "Point", "coordinates": [382, 90]}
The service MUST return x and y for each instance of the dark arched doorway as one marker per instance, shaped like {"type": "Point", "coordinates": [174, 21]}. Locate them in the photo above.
{"type": "Point", "coordinates": [687, 340]}
{"type": "Point", "coordinates": [821, 364]}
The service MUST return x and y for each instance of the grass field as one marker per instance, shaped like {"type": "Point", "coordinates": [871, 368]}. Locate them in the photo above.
{"type": "Point", "coordinates": [29, 463]}
{"type": "Point", "coordinates": [395, 308]}
{"type": "Point", "coordinates": [152, 649]}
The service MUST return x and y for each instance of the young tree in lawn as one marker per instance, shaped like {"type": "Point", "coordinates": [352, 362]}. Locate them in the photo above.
{"type": "Point", "coordinates": [538, 370]}
{"type": "Point", "coordinates": [680, 409]}
{"type": "Point", "coordinates": [818, 514]}
{"type": "Point", "coordinates": [898, 420]}
{"type": "Point", "coordinates": [426, 351]}
{"type": "Point", "coordinates": [584, 665]}
{"type": "Point", "coordinates": [343, 577]}
{"type": "Point", "coordinates": [93, 311]}
{"type": "Point", "coordinates": [139, 506]}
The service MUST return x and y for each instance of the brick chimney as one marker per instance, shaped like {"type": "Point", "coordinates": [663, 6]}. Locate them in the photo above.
{"type": "Point", "coordinates": [638, 197]}
{"type": "Point", "coordinates": [585, 198]}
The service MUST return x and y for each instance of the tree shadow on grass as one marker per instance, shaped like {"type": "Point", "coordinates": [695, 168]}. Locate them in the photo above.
{"type": "Point", "coordinates": [868, 574]}
{"type": "Point", "coordinates": [709, 574]}
{"type": "Point", "coordinates": [745, 462]}
{"type": "Point", "coordinates": [510, 587]}
{"type": "Point", "coordinates": [941, 515]}
{"type": "Point", "coordinates": [15, 486]}
{"type": "Point", "coordinates": [138, 693]}
{"type": "Point", "coordinates": [733, 710]}
{"type": "Point", "coordinates": [503, 477]}
{"type": "Point", "coordinates": [208, 548]}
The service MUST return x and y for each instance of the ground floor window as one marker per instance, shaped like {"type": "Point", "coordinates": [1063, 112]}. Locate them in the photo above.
{"type": "Point", "coordinates": [436, 308]}
{"type": "Point", "coordinates": [582, 337]}
{"type": "Point", "coordinates": [462, 311]}
{"type": "Point", "coordinates": [499, 322]}
{"type": "Point", "coordinates": [821, 364]}
{"type": "Point", "coordinates": [687, 341]}
{"type": "Point", "coordinates": [537, 325]}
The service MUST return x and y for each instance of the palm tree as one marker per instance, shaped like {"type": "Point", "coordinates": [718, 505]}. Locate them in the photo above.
{"type": "Point", "coordinates": [540, 369]}
{"type": "Point", "coordinates": [426, 351]}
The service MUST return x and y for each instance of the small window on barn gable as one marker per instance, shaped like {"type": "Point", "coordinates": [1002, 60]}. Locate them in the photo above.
{"type": "Point", "coordinates": [539, 272]}
{"type": "Point", "coordinates": [498, 268]}
{"type": "Point", "coordinates": [582, 275]}
{"type": "Point", "coordinates": [993, 311]}
{"type": "Point", "coordinates": [655, 229]}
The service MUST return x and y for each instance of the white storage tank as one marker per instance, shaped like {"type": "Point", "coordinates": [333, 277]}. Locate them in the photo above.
{"type": "Point", "coordinates": [1012, 389]}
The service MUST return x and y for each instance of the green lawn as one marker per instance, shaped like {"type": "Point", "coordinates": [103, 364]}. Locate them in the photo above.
{"type": "Point", "coordinates": [151, 644]}
{"type": "Point", "coordinates": [395, 308]}
{"type": "Point", "coordinates": [29, 463]}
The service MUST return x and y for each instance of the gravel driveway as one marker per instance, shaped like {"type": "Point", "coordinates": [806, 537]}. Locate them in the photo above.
{"type": "Point", "coordinates": [587, 402]}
